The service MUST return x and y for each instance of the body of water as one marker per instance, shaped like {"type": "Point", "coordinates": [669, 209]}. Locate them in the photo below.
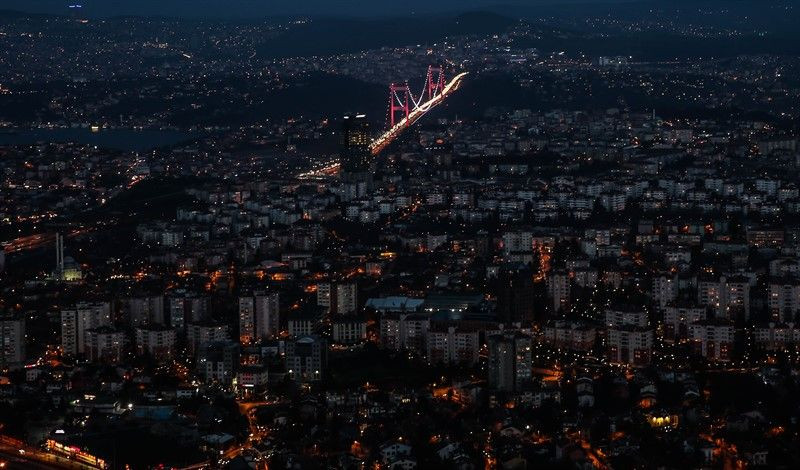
{"type": "Point", "coordinates": [119, 139]}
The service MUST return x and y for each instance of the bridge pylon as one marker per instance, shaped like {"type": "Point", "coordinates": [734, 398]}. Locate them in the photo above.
{"type": "Point", "coordinates": [434, 85]}
{"type": "Point", "coordinates": [398, 101]}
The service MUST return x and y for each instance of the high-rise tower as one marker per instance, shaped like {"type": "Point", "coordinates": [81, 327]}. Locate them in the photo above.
{"type": "Point", "coordinates": [355, 156]}
{"type": "Point", "coordinates": [509, 361]}
{"type": "Point", "coordinates": [354, 151]}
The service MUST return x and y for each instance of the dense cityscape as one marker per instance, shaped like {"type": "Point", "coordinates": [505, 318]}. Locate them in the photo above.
{"type": "Point", "coordinates": [494, 239]}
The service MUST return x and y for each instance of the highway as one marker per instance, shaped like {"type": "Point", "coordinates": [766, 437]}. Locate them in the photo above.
{"type": "Point", "coordinates": [30, 242]}
{"type": "Point", "coordinates": [38, 460]}
{"type": "Point", "coordinates": [33, 242]}
{"type": "Point", "coordinates": [16, 463]}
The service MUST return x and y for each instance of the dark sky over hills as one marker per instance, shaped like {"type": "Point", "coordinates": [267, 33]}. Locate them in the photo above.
{"type": "Point", "coordinates": [749, 16]}
{"type": "Point", "coordinates": [260, 8]}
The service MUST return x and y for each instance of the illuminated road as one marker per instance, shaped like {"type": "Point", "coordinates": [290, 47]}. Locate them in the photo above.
{"type": "Point", "coordinates": [387, 137]}
{"type": "Point", "coordinates": [30, 242]}
{"type": "Point", "coordinates": [248, 409]}
{"type": "Point", "coordinates": [15, 463]}
{"type": "Point", "coordinates": [235, 451]}
{"type": "Point", "coordinates": [37, 459]}
{"type": "Point", "coordinates": [33, 242]}
{"type": "Point", "coordinates": [329, 170]}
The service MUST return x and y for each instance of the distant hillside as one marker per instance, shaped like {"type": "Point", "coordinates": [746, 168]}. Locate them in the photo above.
{"type": "Point", "coordinates": [336, 36]}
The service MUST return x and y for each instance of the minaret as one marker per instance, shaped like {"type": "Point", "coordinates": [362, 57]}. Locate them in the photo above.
{"type": "Point", "coordinates": [59, 256]}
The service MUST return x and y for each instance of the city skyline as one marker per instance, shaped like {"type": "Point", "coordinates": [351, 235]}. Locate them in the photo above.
{"type": "Point", "coordinates": [345, 236]}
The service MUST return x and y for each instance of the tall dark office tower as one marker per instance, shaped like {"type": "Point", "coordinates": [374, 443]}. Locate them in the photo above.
{"type": "Point", "coordinates": [356, 158]}
{"type": "Point", "coordinates": [355, 154]}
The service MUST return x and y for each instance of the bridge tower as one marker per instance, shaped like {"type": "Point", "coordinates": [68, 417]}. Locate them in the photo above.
{"type": "Point", "coordinates": [437, 85]}
{"type": "Point", "coordinates": [398, 101]}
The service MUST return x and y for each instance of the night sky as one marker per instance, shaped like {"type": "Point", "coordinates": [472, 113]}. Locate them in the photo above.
{"type": "Point", "coordinates": [258, 8]}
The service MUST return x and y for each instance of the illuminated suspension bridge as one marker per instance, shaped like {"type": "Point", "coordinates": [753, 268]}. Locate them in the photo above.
{"type": "Point", "coordinates": [404, 110]}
